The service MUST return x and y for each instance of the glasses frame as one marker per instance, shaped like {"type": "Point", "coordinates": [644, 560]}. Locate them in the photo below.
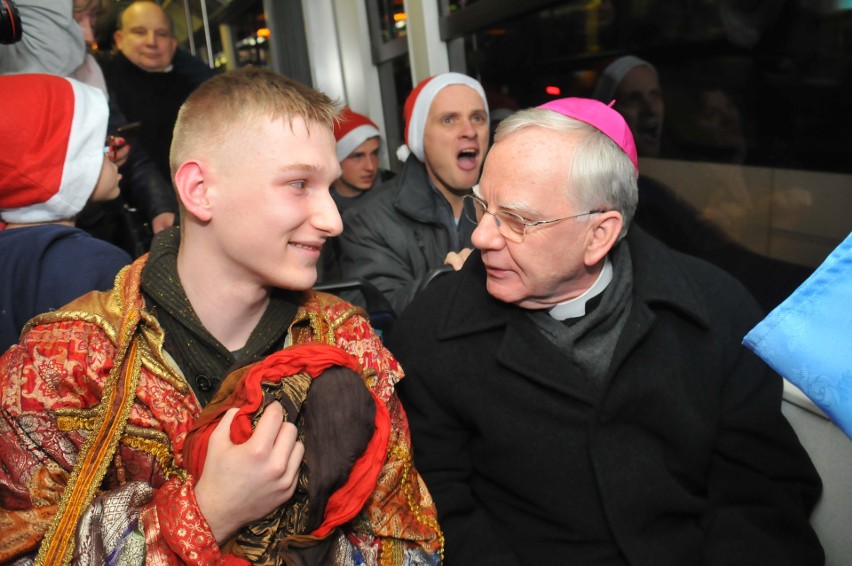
{"type": "Point", "coordinates": [513, 234]}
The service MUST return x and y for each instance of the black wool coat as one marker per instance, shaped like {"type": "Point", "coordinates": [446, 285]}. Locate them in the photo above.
{"type": "Point", "coordinates": [683, 456]}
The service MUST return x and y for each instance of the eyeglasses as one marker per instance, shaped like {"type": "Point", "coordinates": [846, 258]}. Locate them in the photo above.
{"type": "Point", "coordinates": [512, 226]}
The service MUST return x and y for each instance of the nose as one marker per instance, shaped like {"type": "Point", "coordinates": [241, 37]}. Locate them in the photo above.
{"type": "Point", "coordinates": [486, 235]}
{"type": "Point", "coordinates": [151, 37]}
{"type": "Point", "coordinates": [325, 216]}
{"type": "Point", "coordinates": [649, 106]}
{"type": "Point", "coordinates": [468, 129]}
{"type": "Point", "coordinates": [372, 163]}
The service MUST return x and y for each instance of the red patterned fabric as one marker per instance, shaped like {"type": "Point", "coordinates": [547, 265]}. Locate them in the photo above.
{"type": "Point", "coordinates": [185, 537]}
{"type": "Point", "coordinates": [51, 385]}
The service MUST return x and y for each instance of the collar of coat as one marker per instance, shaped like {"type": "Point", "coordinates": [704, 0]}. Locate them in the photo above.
{"type": "Point", "coordinates": [662, 278]}
{"type": "Point", "coordinates": [417, 197]}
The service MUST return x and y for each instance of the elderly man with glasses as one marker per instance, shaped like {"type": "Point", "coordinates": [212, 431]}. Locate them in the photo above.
{"type": "Point", "coordinates": [578, 393]}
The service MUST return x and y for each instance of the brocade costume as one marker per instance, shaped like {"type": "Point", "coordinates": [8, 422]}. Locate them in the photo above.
{"type": "Point", "coordinates": [94, 418]}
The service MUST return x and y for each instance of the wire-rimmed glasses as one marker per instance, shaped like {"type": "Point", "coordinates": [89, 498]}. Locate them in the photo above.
{"type": "Point", "coordinates": [512, 226]}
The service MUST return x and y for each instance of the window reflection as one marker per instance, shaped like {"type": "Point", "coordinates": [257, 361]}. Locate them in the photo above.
{"type": "Point", "coordinates": [744, 125]}
{"type": "Point", "coordinates": [780, 68]}
{"type": "Point", "coordinates": [461, 4]}
{"type": "Point", "coordinates": [392, 18]}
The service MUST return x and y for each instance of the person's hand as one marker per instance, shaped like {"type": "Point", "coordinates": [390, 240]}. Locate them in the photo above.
{"type": "Point", "coordinates": [162, 221]}
{"type": "Point", "coordinates": [456, 260]}
{"type": "Point", "coordinates": [244, 482]}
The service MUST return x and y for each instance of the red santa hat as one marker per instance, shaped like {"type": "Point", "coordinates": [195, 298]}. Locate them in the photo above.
{"type": "Point", "coordinates": [417, 106]}
{"type": "Point", "coordinates": [601, 116]}
{"type": "Point", "coordinates": [351, 130]}
{"type": "Point", "coordinates": [52, 135]}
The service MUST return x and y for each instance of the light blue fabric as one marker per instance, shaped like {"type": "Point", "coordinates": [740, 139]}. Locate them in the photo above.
{"type": "Point", "coordinates": [808, 338]}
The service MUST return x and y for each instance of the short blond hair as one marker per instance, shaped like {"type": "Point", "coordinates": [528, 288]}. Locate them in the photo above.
{"type": "Point", "coordinates": [227, 104]}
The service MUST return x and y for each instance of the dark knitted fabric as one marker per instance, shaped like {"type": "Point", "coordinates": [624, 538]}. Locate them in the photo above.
{"type": "Point", "coordinates": [203, 359]}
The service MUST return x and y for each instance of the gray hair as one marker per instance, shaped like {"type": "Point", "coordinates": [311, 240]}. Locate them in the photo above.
{"type": "Point", "coordinates": [600, 175]}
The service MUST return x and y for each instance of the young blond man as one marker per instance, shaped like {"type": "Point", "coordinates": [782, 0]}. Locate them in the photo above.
{"type": "Point", "coordinates": [99, 396]}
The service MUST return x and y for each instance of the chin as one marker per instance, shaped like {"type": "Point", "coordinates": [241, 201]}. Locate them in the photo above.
{"type": "Point", "coordinates": [297, 282]}
{"type": "Point", "coordinates": [468, 179]}
{"type": "Point", "coordinates": [502, 292]}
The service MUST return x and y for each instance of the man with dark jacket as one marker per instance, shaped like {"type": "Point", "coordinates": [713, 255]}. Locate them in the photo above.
{"type": "Point", "coordinates": [578, 394]}
{"type": "Point", "coordinates": [395, 235]}
{"type": "Point", "coordinates": [150, 78]}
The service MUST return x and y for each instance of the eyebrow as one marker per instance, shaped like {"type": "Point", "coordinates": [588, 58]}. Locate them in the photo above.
{"type": "Point", "coordinates": [518, 206]}
{"type": "Point", "coordinates": [299, 167]}
{"type": "Point", "coordinates": [513, 206]}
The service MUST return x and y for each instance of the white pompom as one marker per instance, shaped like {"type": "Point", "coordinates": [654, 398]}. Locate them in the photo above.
{"type": "Point", "coordinates": [402, 153]}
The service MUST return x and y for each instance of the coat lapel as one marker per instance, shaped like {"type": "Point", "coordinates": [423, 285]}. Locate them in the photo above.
{"type": "Point", "coordinates": [525, 351]}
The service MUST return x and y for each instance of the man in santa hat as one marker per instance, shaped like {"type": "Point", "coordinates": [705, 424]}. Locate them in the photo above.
{"type": "Point", "coordinates": [395, 236]}
{"type": "Point", "coordinates": [358, 144]}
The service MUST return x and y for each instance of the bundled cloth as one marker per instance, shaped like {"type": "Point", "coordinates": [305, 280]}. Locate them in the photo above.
{"type": "Point", "coordinates": [345, 430]}
{"type": "Point", "coordinates": [808, 338]}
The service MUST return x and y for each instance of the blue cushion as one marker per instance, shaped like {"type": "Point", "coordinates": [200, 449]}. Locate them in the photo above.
{"type": "Point", "coordinates": [808, 338]}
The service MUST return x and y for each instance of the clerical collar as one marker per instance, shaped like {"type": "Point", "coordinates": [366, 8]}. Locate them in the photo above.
{"type": "Point", "coordinates": [576, 307]}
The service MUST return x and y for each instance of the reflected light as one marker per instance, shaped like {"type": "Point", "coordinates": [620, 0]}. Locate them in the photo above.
{"type": "Point", "coordinates": [553, 90]}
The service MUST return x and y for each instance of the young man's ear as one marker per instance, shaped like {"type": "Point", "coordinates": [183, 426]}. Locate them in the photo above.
{"type": "Point", "coordinates": [191, 190]}
{"type": "Point", "coordinates": [603, 234]}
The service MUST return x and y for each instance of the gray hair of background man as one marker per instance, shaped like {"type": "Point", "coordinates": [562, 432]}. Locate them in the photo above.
{"type": "Point", "coordinates": [601, 175]}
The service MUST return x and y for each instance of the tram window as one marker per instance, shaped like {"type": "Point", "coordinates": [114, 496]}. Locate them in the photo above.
{"type": "Point", "coordinates": [757, 125]}
{"type": "Point", "coordinates": [781, 64]}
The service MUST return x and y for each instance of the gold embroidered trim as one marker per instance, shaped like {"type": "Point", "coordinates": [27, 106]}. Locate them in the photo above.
{"type": "Point", "coordinates": [162, 452]}
{"type": "Point", "coordinates": [392, 552]}
{"type": "Point", "coordinates": [408, 491]}
{"type": "Point", "coordinates": [153, 442]}
{"type": "Point", "coordinates": [94, 457]}
{"type": "Point", "coordinates": [154, 358]}
{"type": "Point", "coordinates": [344, 316]}
{"type": "Point", "coordinates": [67, 423]}
{"type": "Point", "coordinates": [54, 317]}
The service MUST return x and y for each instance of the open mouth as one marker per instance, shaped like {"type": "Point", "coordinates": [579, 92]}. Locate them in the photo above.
{"type": "Point", "coordinates": [468, 158]}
